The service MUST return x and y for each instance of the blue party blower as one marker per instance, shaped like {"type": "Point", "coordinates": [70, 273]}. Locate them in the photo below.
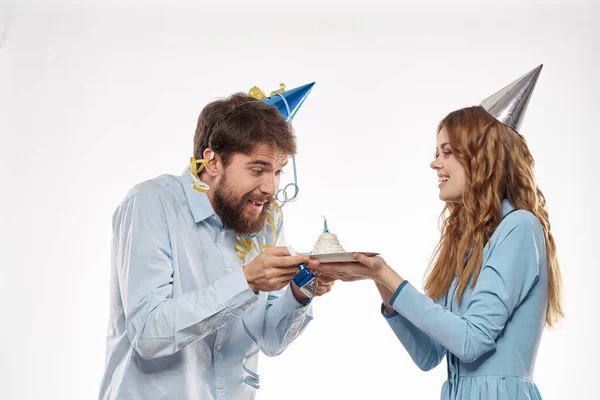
{"type": "Point", "coordinates": [305, 279]}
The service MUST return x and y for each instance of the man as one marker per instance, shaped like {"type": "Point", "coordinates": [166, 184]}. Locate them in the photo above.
{"type": "Point", "coordinates": [199, 266]}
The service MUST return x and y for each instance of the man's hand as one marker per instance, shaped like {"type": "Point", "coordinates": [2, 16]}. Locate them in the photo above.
{"type": "Point", "coordinates": [325, 283]}
{"type": "Point", "coordinates": [334, 273]}
{"type": "Point", "coordinates": [274, 268]}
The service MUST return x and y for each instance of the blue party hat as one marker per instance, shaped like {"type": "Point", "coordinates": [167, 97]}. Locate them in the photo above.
{"type": "Point", "coordinates": [287, 102]}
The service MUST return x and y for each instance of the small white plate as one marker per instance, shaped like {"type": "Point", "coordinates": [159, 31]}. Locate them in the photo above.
{"type": "Point", "coordinates": [339, 257]}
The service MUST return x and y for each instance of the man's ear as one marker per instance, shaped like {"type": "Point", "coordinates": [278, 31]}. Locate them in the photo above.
{"type": "Point", "coordinates": [213, 162]}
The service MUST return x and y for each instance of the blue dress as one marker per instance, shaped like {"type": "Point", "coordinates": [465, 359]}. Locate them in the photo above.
{"type": "Point", "coordinates": [491, 338]}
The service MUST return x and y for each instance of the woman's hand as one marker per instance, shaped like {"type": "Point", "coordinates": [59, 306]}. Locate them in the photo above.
{"type": "Point", "coordinates": [374, 268]}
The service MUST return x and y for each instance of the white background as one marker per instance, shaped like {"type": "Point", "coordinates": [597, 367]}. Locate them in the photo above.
{"type": "Point", "coordinates": [96, 96]}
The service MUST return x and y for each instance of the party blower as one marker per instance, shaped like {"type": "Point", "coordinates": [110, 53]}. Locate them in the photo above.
{"type": "Point", "coordinates": [306, 281]}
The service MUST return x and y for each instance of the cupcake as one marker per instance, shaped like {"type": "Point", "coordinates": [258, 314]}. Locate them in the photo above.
{"type": "Point", "coordinates": [327, 243]}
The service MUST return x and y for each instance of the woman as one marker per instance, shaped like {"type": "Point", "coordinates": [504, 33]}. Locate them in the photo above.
{"type": "Point", "coordinates": [495, 282]}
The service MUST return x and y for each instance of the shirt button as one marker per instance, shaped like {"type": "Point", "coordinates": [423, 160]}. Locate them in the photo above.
{"type": "Point", "coordinates": [219, 347]}
{"type": "Point", "coordinates": [246, 306]}
{"type": "Point", "coordinates": [220, 386]}
{"type": "Point", "coordinates": [229, 269]}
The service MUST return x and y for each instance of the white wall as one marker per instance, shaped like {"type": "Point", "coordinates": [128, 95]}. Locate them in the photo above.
{"type": "Point", "coordinates": [98, 96]}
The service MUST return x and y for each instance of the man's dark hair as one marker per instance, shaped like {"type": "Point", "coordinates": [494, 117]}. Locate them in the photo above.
{"type": "Point", "coordinates": [237, 124]}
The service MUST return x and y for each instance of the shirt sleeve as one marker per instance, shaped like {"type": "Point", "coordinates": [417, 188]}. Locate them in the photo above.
{"type": "Point", "coordinates": [285, 318]}
{"type": "Point", "coordinates": [505, 280]}
{"type": "Point", "coordinates": [426, 352]}
{"type": "Point", "coordinates": [158, 324]}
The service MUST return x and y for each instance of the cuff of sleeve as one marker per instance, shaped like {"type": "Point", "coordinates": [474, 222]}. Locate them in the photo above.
{"type": "Point", "coordinates": [289, 303]}
{"type": "Point", "coordinates": [404, 300]}
{"type": "Point", "coordinates": [397, 292]}
{"type": "Point", "coordinates": [233, 287]}
{"type": "Point", "coordinates": [386, 314]}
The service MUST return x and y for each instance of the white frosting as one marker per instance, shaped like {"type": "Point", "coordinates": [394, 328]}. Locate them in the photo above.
{"type": "Point", "coordinates": [327, 243]}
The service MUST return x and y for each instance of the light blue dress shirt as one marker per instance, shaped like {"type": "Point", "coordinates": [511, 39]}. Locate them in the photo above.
{"type": "Point", "coordinates": [491, 338]}
{"type": "Point", "coordinates": [178, 294]}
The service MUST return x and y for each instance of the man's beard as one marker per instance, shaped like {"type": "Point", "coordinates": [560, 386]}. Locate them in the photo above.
{"type": "Point", "coordinates": [231, 210]}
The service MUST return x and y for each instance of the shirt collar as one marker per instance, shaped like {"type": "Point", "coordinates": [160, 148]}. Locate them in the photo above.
{"type": "Point", "coordinates": [198, 201]}
{"type": "Point", "coordinates": [506, 207]}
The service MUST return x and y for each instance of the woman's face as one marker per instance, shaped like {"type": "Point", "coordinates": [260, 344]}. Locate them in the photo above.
{"type": "Point", "coordinates": [451, 174]}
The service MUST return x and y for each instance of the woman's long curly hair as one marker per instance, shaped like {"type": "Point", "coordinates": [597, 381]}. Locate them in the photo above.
{"type": "Point", "coordinates": [497, 165]}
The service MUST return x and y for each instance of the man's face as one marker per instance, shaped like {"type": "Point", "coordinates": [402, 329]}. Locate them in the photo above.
{"type": "Point", "coordinates": [242, 193]}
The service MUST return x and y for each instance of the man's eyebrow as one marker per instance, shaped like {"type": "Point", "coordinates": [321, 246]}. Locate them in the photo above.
{"type": "Point", "coordinates": [266, 163]}
{"type": "Point", "coordinates": [260, 162]}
